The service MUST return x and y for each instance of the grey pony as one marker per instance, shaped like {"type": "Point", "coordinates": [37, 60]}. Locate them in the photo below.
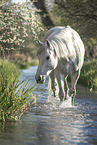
{"type": "Point", "coordinates": [61, 55]}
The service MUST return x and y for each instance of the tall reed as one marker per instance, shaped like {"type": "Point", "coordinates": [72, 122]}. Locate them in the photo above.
{"type": "Point", "coordinates": [15, 96]}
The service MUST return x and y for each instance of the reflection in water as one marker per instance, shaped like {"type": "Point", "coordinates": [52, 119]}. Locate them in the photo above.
{"type": "Point", "coordinates": [52, 123]}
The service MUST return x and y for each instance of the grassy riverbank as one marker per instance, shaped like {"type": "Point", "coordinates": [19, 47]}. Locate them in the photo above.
{"type": "Point", "coordinates": [88, 76]}
{"type": "Point", "coordinates": [15, 96]}
{"type": "Point", "coordinates": [25, 64]}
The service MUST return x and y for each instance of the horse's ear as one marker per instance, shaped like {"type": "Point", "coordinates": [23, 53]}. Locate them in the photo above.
{"type": "Point", "coordinates": [39, 42]}
{"type": "Point", "coordinates": [55, 52]}
{"type": "Point", "coordinates": [48, 43]}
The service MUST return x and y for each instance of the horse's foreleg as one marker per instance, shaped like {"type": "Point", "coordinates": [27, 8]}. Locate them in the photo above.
{"type": "Point", "coordinates": [67, 87]}
{"type": "Point", "coordinates": [74, 79]}
{"type": "Point", "coordinates": [60, 78]}
{"type": "Point", "coordinates": [54, 84]}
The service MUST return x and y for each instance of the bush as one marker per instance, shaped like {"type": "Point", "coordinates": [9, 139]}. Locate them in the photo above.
{"type": "Point", "coordinates": [34, 62]}
{"type": "Point", "coordinates": [89, 75]}
{"type": "Point", "coordinates": [15, 96]}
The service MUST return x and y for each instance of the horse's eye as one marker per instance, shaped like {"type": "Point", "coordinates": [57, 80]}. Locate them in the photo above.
{"type": "Point", "coordinates": [48, 57]}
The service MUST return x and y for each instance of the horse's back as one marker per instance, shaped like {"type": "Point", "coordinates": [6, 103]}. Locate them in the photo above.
{"type": "Point", "coordinates": [53, 31]}
{"type": "Point", "coordinates": [68, 44]}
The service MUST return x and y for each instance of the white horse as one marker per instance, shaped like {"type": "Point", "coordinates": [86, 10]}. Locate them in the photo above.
{"type": "Point", "coordinates": [61, 54]}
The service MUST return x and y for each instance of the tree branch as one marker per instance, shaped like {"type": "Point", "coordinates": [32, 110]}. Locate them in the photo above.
{"type": "Point", "coordinates": [45, 16]}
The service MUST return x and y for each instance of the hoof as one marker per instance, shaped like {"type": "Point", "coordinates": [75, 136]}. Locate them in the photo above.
{"type": "Point", "coordinates": [72, 99]}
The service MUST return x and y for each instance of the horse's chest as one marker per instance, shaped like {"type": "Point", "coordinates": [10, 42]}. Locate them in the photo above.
{"type": "Point", "coordinates": [66, 67]}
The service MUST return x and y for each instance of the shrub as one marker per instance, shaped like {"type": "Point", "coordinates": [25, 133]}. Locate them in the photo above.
{"type": "Point", "coordinates": [89, 75]}
{"type": "Point", "coordinates": [15, 96]}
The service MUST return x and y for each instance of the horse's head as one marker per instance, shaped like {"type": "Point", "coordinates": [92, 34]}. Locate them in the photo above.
{"type": "Point", "coordinates": [47, 61]}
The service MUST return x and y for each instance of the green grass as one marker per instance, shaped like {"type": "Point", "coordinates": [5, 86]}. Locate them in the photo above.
{"type": "Point", "coordinates": [25, 64]}
{"type": "Point", "coordinates": [88, 76]}
{"type": "Point", "coordinates": [15, 96]}
{"type": "Point", "coordinates": [34, 62]}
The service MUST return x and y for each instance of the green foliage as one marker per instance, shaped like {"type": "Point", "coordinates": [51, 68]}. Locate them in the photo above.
{"type": "Point", "coordinates": [34, 62]}
{"type": "Point", "coordinates": [26, 65]}
{"type": "Point", "coordinates": [80, 15]}
{"type": "Point", "coordinates": [89, 75]}
{"type": "Point", "coordinates": [15, 96]}
{"type": "Point", "coordinates": [91, 48]}
{"type": "Point", "coordinates": [8, 72]}
{"type": "Point", "coordinates": [18, 22]}
{"type": "Point", "coordinates": [23, 65]}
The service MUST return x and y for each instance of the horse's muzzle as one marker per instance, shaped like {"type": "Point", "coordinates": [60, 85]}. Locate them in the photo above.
{"type": "Point", "coordinates": [40, 79]}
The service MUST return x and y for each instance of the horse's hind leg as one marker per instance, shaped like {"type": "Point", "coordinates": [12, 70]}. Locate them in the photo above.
{"type": "Point", "coordinates": [74, 79]}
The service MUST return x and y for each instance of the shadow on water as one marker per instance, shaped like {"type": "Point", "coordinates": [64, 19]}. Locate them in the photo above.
{"type": "Point", "coordinates": [52, 123]}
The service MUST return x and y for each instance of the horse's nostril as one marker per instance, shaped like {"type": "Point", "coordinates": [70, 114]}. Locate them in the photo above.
{"type": "Point", "coordinates": [39, 79]}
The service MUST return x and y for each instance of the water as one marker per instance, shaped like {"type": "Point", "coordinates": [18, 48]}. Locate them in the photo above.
{"type": "Point", "coordinates": [52, 123]}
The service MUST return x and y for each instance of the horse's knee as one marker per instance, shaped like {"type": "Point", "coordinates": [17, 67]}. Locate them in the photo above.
{"type": "Point", "coordinates": [74, 79]}
{"type": "Point", "coordinates": [62, 95]}
{"type": "Point", "coordinates": [72, 95]}
{"type": "Point", "coordinates": [61, 98]}
{"type": "Point", "coordinates": [73, 92]}
{"type": "Point", "coordinates": [55, 92]}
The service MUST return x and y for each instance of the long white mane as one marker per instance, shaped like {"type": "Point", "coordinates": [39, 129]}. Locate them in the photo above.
{"type": "Point", "coordinates": [67, 44]}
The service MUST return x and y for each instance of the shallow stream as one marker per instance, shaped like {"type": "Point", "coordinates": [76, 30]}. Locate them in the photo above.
{"type": "Point", "coordinates": [51, 123]}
